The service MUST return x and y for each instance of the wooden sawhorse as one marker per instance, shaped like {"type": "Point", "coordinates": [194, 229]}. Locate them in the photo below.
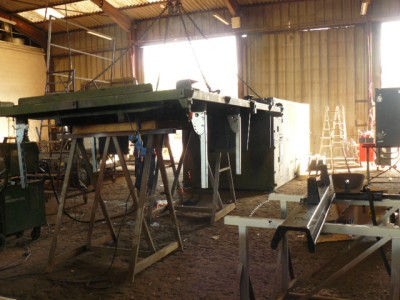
{"type": "Point", "coordinates": [155, 140]}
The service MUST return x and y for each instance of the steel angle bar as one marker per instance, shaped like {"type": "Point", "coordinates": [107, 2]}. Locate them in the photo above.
{"type": "Point", "coordinates": [306, 218]}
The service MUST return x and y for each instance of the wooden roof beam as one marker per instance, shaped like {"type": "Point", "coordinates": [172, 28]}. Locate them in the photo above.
{"type": "Point", "coordinates": [30, 31]}
{"type": "Point", "coordinates": [233, 7]}
{"type": "Point", "coordinates": [122, 20]}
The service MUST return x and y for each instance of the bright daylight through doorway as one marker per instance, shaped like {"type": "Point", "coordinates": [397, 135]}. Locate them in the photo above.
{"type": "Point", "coordinates": [216, 58]}
{"type": "Point", "coordinates": [390, 49]}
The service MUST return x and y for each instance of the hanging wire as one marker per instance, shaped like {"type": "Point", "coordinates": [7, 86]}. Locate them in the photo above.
{"type": "Point", "coordinates": [123, 53]}
{"type": "Point", "coordinates": [165, 41]}
{"type": "Point", "coordinates": [180, 9]}
{"type": "Point", "coordinates": [204, 37]}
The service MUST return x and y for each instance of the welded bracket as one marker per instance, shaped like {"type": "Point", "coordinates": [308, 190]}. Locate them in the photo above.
{"type": "Point", "coordinates": [21, 131]}
{"type": "Point", "coordinates": [235, 124]}
{"type": "Point", "coordinates": [199, 122]}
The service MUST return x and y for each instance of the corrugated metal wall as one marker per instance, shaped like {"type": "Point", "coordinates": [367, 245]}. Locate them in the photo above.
{"type": "Point", "coordinates": [322, 68]}
{"type": "Point", "coordinates": [90, 67]}
{"type": "Point", "coordinates": [279, 58]}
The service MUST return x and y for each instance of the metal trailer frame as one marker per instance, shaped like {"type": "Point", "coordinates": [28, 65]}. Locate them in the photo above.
{"type": "Point", "coordinates": [121, 111]}
{"type": "Point", "coordinates": [386, 234]}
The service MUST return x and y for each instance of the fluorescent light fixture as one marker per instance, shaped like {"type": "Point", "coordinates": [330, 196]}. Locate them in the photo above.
{"type": "Point", "coordinates": [7, 21]}
{"type": "Point", "coordinates": [50, 12]}
{"type": "Point", "coordinates": [244, 36]}
{"type": "Point", "coordinates": [364, 7]}
{"type": "Point", "coordinates": [100, 35]}
{"type": "Point", "coordinates": [221, 19]}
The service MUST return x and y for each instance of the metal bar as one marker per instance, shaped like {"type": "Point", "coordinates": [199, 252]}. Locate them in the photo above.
{"type": "Point", "coordinates": [244, 260]}
{"type": "Point", "coordinates": [204, 154]}
{"type": "Point", "coordinates": [80, 78]}
{"type": "Point", "coordinates": [306, 218]}
{"type": "Point", "coordinates": [395, 270]}
{"type": "Point", "coordinates": [80, 52]}
{"type": "Point", "coordinates": [348, 266]}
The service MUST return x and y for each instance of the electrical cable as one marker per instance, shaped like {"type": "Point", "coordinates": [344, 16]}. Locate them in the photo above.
{"type": "Point", "coordinates": [96, 279]}
{"type": "Point", "coordinates": [67, 213]}
{"type": "Point", "coordinates": [9, 266]}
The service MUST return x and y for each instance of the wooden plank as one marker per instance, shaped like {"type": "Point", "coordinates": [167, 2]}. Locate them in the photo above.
{"type": "Point", "coordinates": [223, 212]}
{"type": "Point", "coordinates": [195, 209]}
{"type": "Point", "coordinates": [123, 127]}
{"type": "Point", "coordinates": [148, 261]}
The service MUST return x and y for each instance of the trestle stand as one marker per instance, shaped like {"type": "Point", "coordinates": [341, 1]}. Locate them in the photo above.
{"type": "Point", "coordinates": [155, 140]}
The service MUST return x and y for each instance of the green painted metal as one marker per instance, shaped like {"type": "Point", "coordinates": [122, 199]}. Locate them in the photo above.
{"type": "Point", "coordinates": [137, 99]}
{"type": "Point", "coordinates": [22, 209]}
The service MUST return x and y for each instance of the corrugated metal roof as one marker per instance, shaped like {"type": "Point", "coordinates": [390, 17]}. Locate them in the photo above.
{"type": "Point", "coordinates": [88, 14]}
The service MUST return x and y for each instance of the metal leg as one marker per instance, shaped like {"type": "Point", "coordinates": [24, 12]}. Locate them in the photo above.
{"type": "Point", "coordinates": [347, 267]}
{"type": "Point", "coordinates": [395, 267]}
{"type": "Point", "coordinates": [244, 260]}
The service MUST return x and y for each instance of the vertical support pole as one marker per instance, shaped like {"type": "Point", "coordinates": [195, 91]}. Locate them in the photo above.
{"type": "Point", "coordinates": [284, 251]}
{"type": "Point", "coordinates": [395, 270]}
{"type": "Point", "coordinates": [199, 122]}
{"type": "Point", "coordinates": [204, 154]}
{"type": "Point", "coordinates": [235, 123]}
{"type": "Point", "coordinates": [244, 260]}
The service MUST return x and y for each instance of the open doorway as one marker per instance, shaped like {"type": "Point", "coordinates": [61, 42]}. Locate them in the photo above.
{"type": "Point", "coordinates": [211, 62]}
{"type": "Point", "coordinates": [390, 59]}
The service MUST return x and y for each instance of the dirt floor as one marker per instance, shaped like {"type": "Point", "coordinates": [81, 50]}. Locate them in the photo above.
{"type": "Point", "coordinates": [207, 268]}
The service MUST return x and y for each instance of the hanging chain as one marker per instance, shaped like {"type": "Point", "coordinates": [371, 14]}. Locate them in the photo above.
{"type": "Point", "coordinates": [191, 47]}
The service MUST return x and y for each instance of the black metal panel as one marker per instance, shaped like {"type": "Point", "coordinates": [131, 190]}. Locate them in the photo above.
{"type": "Point", "coordinates": [387, 117]}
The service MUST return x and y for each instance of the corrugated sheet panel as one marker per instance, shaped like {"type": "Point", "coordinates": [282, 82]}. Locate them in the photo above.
{"type": "Point", "coordinates": [203, 24]}
{"type": "Point", "coordinates": [322, 68]}
{"type": "Point", "coordinates": [90, 67]}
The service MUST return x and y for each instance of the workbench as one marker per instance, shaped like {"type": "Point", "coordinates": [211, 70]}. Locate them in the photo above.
{"type": "Point", "coordinates": [384, 234]}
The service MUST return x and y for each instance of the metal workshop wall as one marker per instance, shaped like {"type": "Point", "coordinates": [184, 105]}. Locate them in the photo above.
{"type": "Point", "coordinates": [322, 68]}
{"type": "Point", "coordinates": [87, 66]}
